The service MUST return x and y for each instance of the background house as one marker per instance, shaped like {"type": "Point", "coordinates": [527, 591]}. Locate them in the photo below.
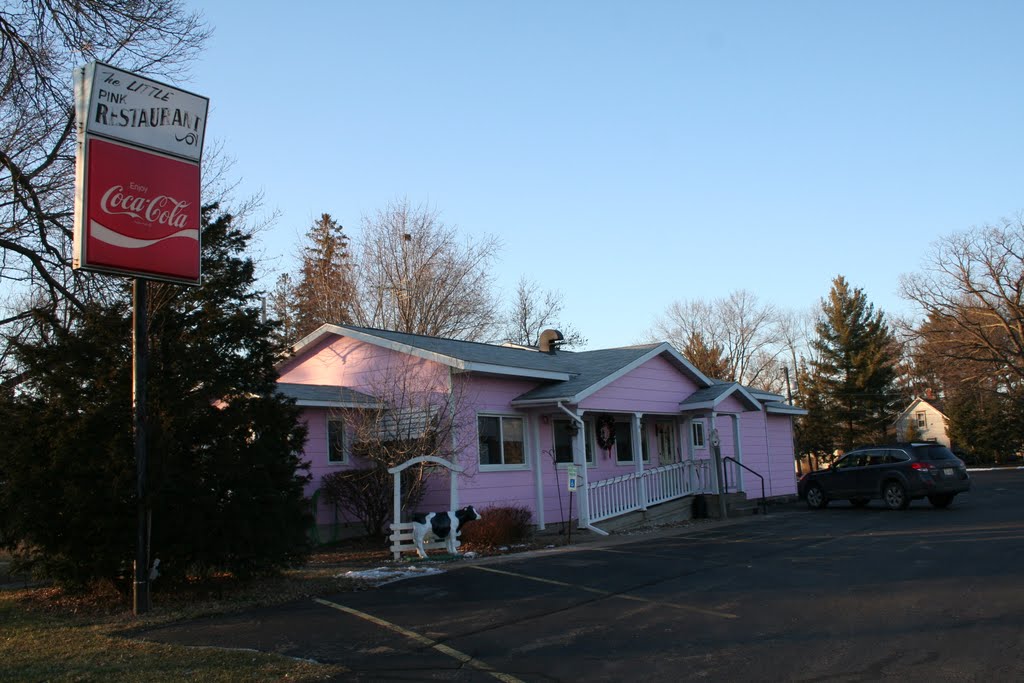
{"type": "Point", "coordinates": [922, 420]}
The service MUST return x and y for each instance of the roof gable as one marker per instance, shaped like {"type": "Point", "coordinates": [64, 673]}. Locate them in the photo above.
{"type": "Point", "coordinates": [913, 406]}
{"type": "Point", "coordinates": [711, 397]}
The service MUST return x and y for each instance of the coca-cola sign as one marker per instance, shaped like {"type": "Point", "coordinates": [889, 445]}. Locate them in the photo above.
{"type": "Point", "coordinates": [141, 213]}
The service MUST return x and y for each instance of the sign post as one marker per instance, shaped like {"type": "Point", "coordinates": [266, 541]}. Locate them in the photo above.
{"type": "Point", "coordinates": [137, 213]}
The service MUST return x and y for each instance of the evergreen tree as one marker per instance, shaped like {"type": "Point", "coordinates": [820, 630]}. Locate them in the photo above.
{"type": "Point", "coordinates": [709, 358]}
{"type": "Point", "coordinates": [855, 369]}
{"type": "Point", "coordinates": [325, 291]}
{"type": "Point", "coordinates": [225, 479]}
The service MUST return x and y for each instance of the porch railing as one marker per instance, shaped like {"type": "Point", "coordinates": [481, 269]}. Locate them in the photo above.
{"type": "Point", "coordinates": [635, 491]}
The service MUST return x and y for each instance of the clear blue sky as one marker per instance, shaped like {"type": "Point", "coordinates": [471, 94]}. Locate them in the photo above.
{"type": "Point", "coordinates": [632, 153]}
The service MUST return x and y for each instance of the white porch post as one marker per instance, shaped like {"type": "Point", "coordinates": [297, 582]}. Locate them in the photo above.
{"type": "Point", "coordinates": [538, 470]}
{"type": "Point", "coordinates": [687, 443]}
{"type": "Point", "coordinates": [716, 483]}
{"type": "Point", "coordinates": [737, 450]}
{"type": "Point", "coordinates": [638, 459]}
{"type": "Point", "coordinates": [579, 457]}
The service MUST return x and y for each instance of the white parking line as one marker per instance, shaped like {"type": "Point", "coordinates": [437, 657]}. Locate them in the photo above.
{"type": "Point", "coordinates": [440, 647]}
{"type": "Point", "coordinates": [608, 594]}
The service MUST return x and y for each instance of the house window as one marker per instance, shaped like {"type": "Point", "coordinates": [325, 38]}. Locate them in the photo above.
{"type": "Point", "coordinates": [335, 440]}
{"type": "Point", "coordinates": [666, 436]}
{"type": "Point", "coordinates": [624, 442]}
{"type": "Point", "coordinates": [563, 442]}
{"type": "Point", "coordinates": [922, 420]}
{"type": "Point", "coordinates": [501, 441]}
{"type": "Point", "coordinates": [697, 434]}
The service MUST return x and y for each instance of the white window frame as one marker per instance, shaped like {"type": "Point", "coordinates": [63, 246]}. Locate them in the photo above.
{"type": "Point", "coordinates": [665, 435]}
{"type": "Point", "coordinates": [921, 419]}
{"type": "Point", "coordinates": [525, 465]}
{"type": "Point", "coordinates": [645, 451]}
{"type": "Point", "coordinates": [344, 440]}
{"type": "Point", "coordinates": [702, 444]}
{"type": "Point", "coordinates": [588, 445]}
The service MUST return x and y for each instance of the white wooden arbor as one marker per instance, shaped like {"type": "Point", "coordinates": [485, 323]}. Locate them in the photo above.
{"type": "Point", "coordinates": [401, 532]}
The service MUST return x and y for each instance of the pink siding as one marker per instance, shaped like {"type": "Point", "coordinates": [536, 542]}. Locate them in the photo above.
{"type": "Point", "coordinates": [654, 387]}
{"type": "Point", "coordinates": [349, 363]}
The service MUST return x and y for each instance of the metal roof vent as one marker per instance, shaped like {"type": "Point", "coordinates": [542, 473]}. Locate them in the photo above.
{"type": "Point", "coordinates": [550, 340]}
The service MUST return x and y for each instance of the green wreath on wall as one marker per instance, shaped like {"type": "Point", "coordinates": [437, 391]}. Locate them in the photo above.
{"type": "Point", "coordinates": [606, 432]}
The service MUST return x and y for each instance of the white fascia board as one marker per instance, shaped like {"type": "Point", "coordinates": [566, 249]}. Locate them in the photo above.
{"type": "Point", "coordinates": [337, 404]}
{"type": "Point", "coordinates": [525, 403]}
{"type": "Point", "coordinates": [515, 371]}
{"type": "Point", "coordinates": [703, 405]}
{"type": "Point", "coordinates": [766, 395]}
{"type": "Point", "coordinates": [786, 410]}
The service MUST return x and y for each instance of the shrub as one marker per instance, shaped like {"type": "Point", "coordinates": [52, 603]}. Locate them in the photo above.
{"type": "Point", "coordinates": [499, 526]}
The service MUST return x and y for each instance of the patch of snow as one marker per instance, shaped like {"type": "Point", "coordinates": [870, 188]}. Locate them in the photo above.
{"type": "Point", "coordinates": [383, 575]}
{"type": "Point", "coordinates": [470, 554]}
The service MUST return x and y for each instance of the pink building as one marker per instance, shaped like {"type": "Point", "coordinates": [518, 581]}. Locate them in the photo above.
{"type": "Point", "coordinates": [635, 423]}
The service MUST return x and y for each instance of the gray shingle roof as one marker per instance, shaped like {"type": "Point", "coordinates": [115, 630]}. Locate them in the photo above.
{"type": "Point", "coordinates": [327, 396]}
{"type": "Point", "coordinates": [573, 372]}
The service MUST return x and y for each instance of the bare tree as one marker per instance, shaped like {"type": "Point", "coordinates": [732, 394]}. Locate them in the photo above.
{"type": "Point", "coordinates": [40, 43]}
{"type": "Point", "coordinates": [531, 312]}
{"type": "Point", "coordinates": [416, 414]}
{"type": "Point", "coordinates": [973, 284]}
{"type": "Point", "coordinates": [415, 275]}
{"type": "Point", "coordinates": [745, 329]}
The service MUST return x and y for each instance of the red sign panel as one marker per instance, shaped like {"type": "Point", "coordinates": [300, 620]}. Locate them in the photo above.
{"type": "Point", "coordinates": [142, 213]}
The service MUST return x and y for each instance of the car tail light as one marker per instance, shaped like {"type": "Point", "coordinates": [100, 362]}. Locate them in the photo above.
{"type": "Point", "coordinates": [921, 466]}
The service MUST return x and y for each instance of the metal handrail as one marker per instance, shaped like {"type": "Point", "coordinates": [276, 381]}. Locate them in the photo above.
{"type": "Point", "coordinates": [764, 501]}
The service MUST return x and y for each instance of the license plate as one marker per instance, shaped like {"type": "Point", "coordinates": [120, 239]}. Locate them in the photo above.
{"type": "Point", "coordinates": [948, 471]}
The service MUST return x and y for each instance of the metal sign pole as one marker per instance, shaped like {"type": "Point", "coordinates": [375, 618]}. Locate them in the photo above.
{"type": "Point", "coordinates": [139, 357]}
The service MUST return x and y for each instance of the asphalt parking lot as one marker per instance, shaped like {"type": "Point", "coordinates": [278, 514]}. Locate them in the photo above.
{"type": "Point", "coordinates": [839, 594]}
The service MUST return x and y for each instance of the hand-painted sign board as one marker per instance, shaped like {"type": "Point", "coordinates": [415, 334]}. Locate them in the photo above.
{"type": "Point", "coordinates": [137, 179]}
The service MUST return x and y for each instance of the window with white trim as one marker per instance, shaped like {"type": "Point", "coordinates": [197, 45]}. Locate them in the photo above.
{"type": "Point", "coordinates": [501, 441]}
{"type": "Point", "coordinates": [335, 440]}
{"type": "Point", "coordinates": [665, 433]}
{"type": "Point", "coordinates": [697, 434]}
{"type": "Point", "coordinates": [562, 441]}
{"type": "Point", "coordinates": [624, 442]}
{"type": "Point", "coordinates": [922, 420]}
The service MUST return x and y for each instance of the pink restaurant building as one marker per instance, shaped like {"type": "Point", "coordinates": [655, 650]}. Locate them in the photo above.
{"type": "Point", "coordinates": [523, 416]}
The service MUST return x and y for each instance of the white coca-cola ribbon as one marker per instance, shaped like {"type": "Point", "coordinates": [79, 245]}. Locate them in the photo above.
{"type": "Point", "coordinates": [104, 234]}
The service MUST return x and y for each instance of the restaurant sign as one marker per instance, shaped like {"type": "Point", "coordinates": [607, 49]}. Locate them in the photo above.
{"type": "Point", "coordinates": [137, 177]}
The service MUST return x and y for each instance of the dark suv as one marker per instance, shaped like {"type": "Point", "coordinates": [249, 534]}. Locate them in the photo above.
{"type": "Point", "coordinates": [897, 474]}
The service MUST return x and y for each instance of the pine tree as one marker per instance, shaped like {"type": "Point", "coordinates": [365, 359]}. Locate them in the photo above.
{"type": "Point", "coordinates": [225, 477]}
{"type": "Point", "coordinates": [855, 370]}
{"type": "Point", "coordinates": [325, 292]}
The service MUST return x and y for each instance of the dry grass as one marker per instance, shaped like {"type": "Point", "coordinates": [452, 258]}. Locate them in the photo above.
{"type": "Point", "coordinates": [53, 635]}
{"type": "Point", "coordinates": [47, 634]}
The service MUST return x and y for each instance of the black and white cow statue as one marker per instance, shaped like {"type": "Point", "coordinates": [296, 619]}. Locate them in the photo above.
{"type": "Point", "coordinates": [441, 526]}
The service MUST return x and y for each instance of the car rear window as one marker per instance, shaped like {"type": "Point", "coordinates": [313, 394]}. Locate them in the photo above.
{"type": "Point", "coordinates": [934, 453]}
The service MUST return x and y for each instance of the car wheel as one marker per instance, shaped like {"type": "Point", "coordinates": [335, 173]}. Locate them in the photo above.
{"type": "Point", "coordinates": [858, 502]}
{"type": "Point", "coordinates": [941, 500]}
{"type": "Point", "coordinates": [895, 496]}
{"type": "Point", "coordinates": [816, 497]}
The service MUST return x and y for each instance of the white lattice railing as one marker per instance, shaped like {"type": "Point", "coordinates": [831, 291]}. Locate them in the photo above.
{"type": "Point", "coordinates": [635, 491]}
